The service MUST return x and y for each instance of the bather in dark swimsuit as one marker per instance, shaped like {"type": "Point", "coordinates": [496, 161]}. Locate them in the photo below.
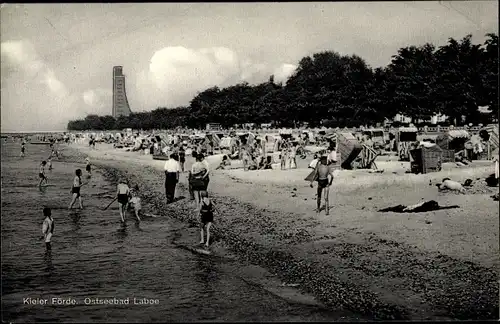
{"type": "Point", "coordinates": [123, 199]}
{"type": "Point", "coordinates": [207, 214]}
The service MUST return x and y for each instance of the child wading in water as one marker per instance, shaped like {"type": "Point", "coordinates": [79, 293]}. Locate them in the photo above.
{"type": "Point", "coordinates": [41, 174]}
{"type": "Point", "coordinates": [88, 167]}
{"type": "Point", "coordinates": [49, 163]}
{"type": "Point", "coordinates": [47, 227]}
{"type": "Point", "coordinates": [207, 216]}
{"type": "Point", "coordinates": [75, 190]}
{"type": "Point", "coordinates": [135, 201]}
{"type": "Point", "coordinates": [23, 149]}
{"type": "Point", "coordinates": [123, 195]}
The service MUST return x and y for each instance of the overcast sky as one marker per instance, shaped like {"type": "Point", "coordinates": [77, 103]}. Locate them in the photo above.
{"type": "Point", "coordinates": [57, 59]}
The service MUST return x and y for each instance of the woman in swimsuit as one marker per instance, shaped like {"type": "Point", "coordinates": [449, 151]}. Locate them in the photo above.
{"type": "Point", "coordinates": [123, 195]}
{"type": "Point", "coordinates": [75, 190]}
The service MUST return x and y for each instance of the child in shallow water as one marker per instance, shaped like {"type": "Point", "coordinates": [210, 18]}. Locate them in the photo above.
{"type": "Point", "coordinates": [47, 227]}
{"type": "Point", "coordinates": [88, 167]}
{"type": "Point", "coordinates": [41, 174]}
{"type": "Point", "coordinates": [135, 201]}
{"type": "Point", "coordinates": [75, 190]}
{"type": "Point", "coordinates": [207, 209]}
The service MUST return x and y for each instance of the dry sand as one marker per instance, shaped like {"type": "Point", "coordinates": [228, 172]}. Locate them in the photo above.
{"type": "Point", "coordinates": [434, 265]}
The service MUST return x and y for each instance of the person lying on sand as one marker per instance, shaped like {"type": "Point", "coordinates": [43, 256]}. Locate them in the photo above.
{"type": "Point", "coordinates": [323, 171]}
{"type": "Point", "coordinates": [448, 184]}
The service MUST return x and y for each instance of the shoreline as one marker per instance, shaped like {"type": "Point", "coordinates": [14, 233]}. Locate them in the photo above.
{"type": "Point", "coordinates": [359, 270]}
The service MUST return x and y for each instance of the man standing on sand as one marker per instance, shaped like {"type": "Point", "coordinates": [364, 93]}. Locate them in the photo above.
{"type": "Point", "coordinates": [321, 176]}
{"type": "Point", "coordinates": [171, 177]}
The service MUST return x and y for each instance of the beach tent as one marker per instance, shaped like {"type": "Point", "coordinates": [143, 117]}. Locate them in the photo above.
{"type": "Point", "coordinates": [453, 140]}
{"type": "Point", "coordinates": [348, 147]}
{"type": "Point", "coordinates": [404, 138]}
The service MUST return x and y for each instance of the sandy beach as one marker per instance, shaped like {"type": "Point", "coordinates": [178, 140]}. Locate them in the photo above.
{"type": "Point", "coordinates": [433, 265]}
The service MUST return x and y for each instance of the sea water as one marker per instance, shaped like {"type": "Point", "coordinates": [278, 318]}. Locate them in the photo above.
{"type": "Point", "coordinates": [101, 271]}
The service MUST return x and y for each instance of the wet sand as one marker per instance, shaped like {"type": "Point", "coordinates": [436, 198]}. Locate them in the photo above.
{"type": "Point", "coordinates": [434, 265]}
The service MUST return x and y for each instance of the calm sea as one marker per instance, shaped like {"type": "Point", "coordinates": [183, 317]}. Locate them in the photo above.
{"type": "Point", "coordinates": [94, 256]}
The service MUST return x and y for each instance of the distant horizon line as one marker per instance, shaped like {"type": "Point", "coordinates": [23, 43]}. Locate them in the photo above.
{"type": "Point", "coordinates": [32, 131]}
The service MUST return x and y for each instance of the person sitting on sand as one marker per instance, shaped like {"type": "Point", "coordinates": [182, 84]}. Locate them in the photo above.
{"type": "Point", "coordinates": [123, 195]}
{"type": "Point", "coordinates": [267, 164]}
{"type": "Point", "coordinates": [322, 173]}
{"type": "Point", "coordinates": [206, 217]}
{"type": "Point", "coordinates": [88, 167]}
{"type": "Point", "coordinates": [75, 190]}
{"type": "Point", "coordinates": [135, 201]}
{"type": "Point", "coordinates": [224, 163]}
{"type": "Point", "coordinates": [47, 227]}
{"type": "Point", "coordinates": [41, 174]}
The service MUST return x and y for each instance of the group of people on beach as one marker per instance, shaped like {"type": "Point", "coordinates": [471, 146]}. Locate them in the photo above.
{"type": "Point", "coordinates": [198, 180]}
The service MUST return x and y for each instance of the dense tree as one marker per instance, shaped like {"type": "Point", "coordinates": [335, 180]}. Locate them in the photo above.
{"type": "Point", "coordinates": [341, 90]}
{"type": "Point", "coordinates": [459, 83]}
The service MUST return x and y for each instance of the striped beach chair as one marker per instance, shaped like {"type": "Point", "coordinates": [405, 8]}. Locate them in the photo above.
{"type": "Point", "coordinates": [368, 156]}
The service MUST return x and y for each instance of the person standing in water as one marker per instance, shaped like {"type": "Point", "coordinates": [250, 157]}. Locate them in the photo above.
{"type": "Point", "coordinates": [135, 201]}
{"type": "Point", "coordinates": [47, 227]}
{"type": "Point", "coordinates": [49, 163]}
{"type": "Point", "coordinates": [207, 209]}
{"type": "Point", "coordinates": [41, 174]}
{"type": "Point", "coordinates": [88, 167]}
{"type": "Point", "coordinates": [123, 196]}
{"type": "Point", "coordinates": [75, 190]}
{"type": "Point", "coordinates": [23, 149]}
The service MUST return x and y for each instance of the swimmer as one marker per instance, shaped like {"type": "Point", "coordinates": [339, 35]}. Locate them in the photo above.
{"type": "Point", "coordinates": [123, 195]}
{"type": "Point", "coordinates": [47, 227]}
{"type": "Point", "coordinates": [41, 174]}
{"type": "Point", "coordinates": [75, 190]}
{"type": "Point", "coordinates": [88, 167]}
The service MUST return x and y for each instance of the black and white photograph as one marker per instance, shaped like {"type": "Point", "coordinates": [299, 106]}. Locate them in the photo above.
{"type": "Point", "coordinates": [330, 161]}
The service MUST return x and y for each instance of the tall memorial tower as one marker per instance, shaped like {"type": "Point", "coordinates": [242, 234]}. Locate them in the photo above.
{"type": "Point", "coordinates": [120, 102]}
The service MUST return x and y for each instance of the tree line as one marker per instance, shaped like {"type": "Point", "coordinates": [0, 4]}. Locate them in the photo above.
{"type": "Point", "coordinates": [343, 91]}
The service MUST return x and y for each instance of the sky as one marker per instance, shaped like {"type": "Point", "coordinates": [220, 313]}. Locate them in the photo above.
{"type": "Point", "coordinates": [57, 59]}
